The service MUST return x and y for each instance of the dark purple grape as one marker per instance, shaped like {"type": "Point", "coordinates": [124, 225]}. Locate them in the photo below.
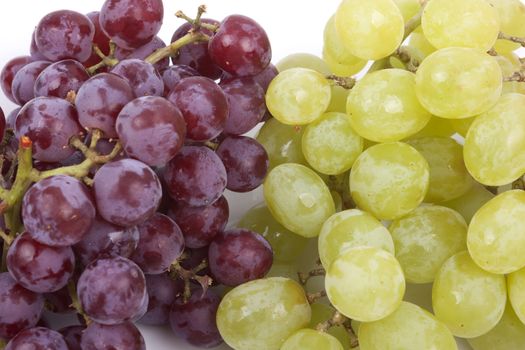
{"type": "Point", "coordinates": [106, 239]}
{"type": "Point", "coordinates": [99, 101]}
{"type": "Point", "coordinates": [8, 73]}
{"type": "Point", "coordinates": [58, 210]}
{"type": "Point", "coordinates": [264, 78]}
{"type": "Point", "coordinates": [124, 336]}
{"type": "Point", "coordinates": [11, 118]}
{"type": "Point", "coordinates": [247, 107]}
{"type": "Point", "coordinates": [174, 74]}
{"type": "Point", "coordinates": [19, 308]}
{"type": "Point", "coordinates": [160, 244]}
{"type": "Point", "coordinates": [246, 162]}
{"type": "Point", "coordinates": [194, 320]}
{"type": "Point", "coordinates": [127, 192]}
{"type": "Point", "coordinates": [100, 39]}
{"type": "Point", "coordinates": [72, 336]}
{"type": "Point", "coordinates": [194, 259]}
{"type": "Point", "coordinates": [59, 302]}
{"type": "Point", "coordinates": [238, 256]}
{"type": "Point", "coordinates": [3, 123]}
{"type": "Point", "coordinates": [38, 338]}
{"type": "Point", "coordinates": [60, 78]}
{"type": "Point", "coordinates": [196, 55]}
{"type": "Point", "coordinates": [39, 267]}
{"type": "Point", "coordinates": [50, 123]}
{"type": "Point", "coordinates": [131, 23]}
{"type": "Point", "coordinates": [141, 76]}
{"type": "Point", "coordinates": [162, 291]}
{"type": "Point", "coordinates": [200, 225]}
{"type": "Point", "coordinates": [195, 176]}
{"type": "Point", "coordinates": [151, 129]}
{"type": "Point", "coordinates": [112, 290]}
{"type": "Point", "coordinates": [240, 46]}
{"type": "Point", "coordinates": [65, 34]}
{"type": "Point", "coordinates": [33, 50]}
{"type": "Point", "coordinates": [23, 85]}
{"type": "Point", "coordinates": [144, 51]}
{"type": "Point", "coordinates": [204, 107]}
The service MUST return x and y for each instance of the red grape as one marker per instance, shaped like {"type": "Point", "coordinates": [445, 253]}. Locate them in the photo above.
{"type": "Point", "coordinates": [8, 73]}
{"type": "Point", "coordinates": [174, 74]}
{"type": "Point", "coordinates": [38, 338]}
{"type": "Point", "coordinates": [23, 85]}
{"type": "Point", "coordinates": [72, 336]}
{"type": "Point", "coordinates": [124, 336]}
{"type": "Point", "coordinates": [162, 290]}
{"type": "Point", "coordinates": [144, 51]}
{"type": "Point", "coordinates": [141, 76]}
{"type": "Point", "coordinates": [100, 39]}
{"type": "Point", "coordinates": [60, 78]}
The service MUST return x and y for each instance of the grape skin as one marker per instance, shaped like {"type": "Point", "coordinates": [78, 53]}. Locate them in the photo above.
{"type": "Point", "coordinates": [8, 73]}
{"type": "Point", "coordinates": [124, 336]}
{"type": "Point", "coordinates": [308, 339]}
{"type": "Point", "coordinates": [37, 338]}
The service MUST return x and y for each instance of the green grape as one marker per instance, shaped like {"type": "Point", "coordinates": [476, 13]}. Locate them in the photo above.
{"type": "Point", "coordinates": [338, 100]}
{"type": "Point", "coordinates": [436, 127]}
{"type": "Point", "coordinates": [408, 328]}
{"type": "Point", "coordinates": [389, 180]}
{"type": "Point", "coordinates": [509, 64]}
{"type": "Point", "coordinates": [458, 82]}
{"type": "Point", "coordinates": [338, 201]}
{"type": "Point", "coordinates": [340, 61]}
{"type": "Point", "coordinates": [298, 198]}
{"type": "Point", "coordinates": [495, 142]}
{"type": "Point", "coordinates": [321, 313]}
{"type": "Point", "coordinates": [448, 176]}
{"type": "Point", "coordinates": [469, 203]}
{"type": "Point", "coordinates": [303, 60]}
{"type": "Point", "coordinates": [419, 294]}
{"type": "Point", "coordinates": [298, 96]}
{"type": "Point", "coordinates": [512, 22]}
{"type": "Point", "coordinates": [496, 239]}
{"type": "Point", "coordinates": [284, 269]}
{"type": "Point", "coordinates": [309, 339]}
{"type": "Point", "coordinates": [516, 285]}
{"type": "Point", "coordinates": [461, 126]}
{"type": "Point", "coordinates": [365, 283]}
{"type": "Point", "coordinates": [425, 238]}
{"type": "Point", "coordinates": [408, 8]}
{"type": "Point", "coordinates": [286, 245]}
{"type": "Point", "coordinates": [469, 300]}
{"type": "Point", "coordinates": [509, 334]}
{"type": "Point", "coordinates": [461, 23]}
{"type": "Point", "coordinates": [282, 142]}
{"type": "Point", "coordinates": [370, 29]}
{"type": "Point", "coordinates": [383, 106]}
{"type": "Point", "coordinates": [348, 229]}
{"type": "Point", "coordinates": [330, 145]}
{"type": "Point", "coordinates": [418, 46]}
{"type": "Point", "coordinates": [262, 314]}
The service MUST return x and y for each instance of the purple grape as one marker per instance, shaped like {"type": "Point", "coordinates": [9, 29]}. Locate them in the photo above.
{"type": "Point", "coordinates": [200, 225]}
{"type": "Point", "coordinates": [194, 321]}
{"type": "Point", "coordinates": [174, 74]}
{"type": "Point", "coordinates": [38, 338]}
{"type": "Point", "coordinates": [204, 107]}
{"type": "Point", "coordinates": [263, 78]}
{"type": "Point", "coordinates": [195, 176]}
{"type": "Point", "coordinates": [8, 73]}
{"type": "Point", "coordinates": [238, 256]}
{"type": "Point", "coordinates": [65, 34]}
{"type": "Point", "coordinates": [39, 267]}
{"type": "Point", "coordinates": [196, 55]}
{"type": "Point", "coordinates": [160, 244]}
{"type": "Point", "coordinates": [151, 129]}
{"type": "Point", "coordinates": [124, 336]}
{"type": "Point", "coordinates": [112, 290]}
{"type": "Point", "coordinates": [100, 39]}
{"type": "Point", "coordinates": [23, 85]}
{"type": "Point", "coordinates": [50, 123]}
{"type": "Point", "coordinates": [60, 78]}
{"type": "Point", "coordinates": [194, 258]}
{"type": "Point", "coordinates": [141, 76]}
{"type": "Point", "coordinates": [33, 49]}
{"type": "Point", "coordinates": [11, 118]}
{"type": "Point", "coordinates": [19, 308]}
{"type": "Point", "coordinates": [58, 210]}
{"type": "Point", "coordinates": [127, 192]}
{"type": "Point", "coordinates": [246, 162]}
{"type": "Point", "coordinates": [59, 301]}
{"type": "Point", "coordinates": [3, 123]}
{"type": "Point", "coordinates": [99, 101]}
{"type": "Point", "coordinates": [131, 23]}
{"type": "Point", "coordinates": [162, 291]}
{"type": "Point", "coordinates": [72, 336]}
{"type": "Point", "coordinates": [106, 239]}
{"type": "Point", "coordinates": [144, 51]}
{"type": "Point", "coordinates": [247, 107]}
{"type": "Point", "coordinates": [240, 46]}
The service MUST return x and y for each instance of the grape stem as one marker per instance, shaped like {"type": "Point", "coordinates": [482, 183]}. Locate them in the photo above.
{"type": "Point", "coordinates": [107, 61]}
{"type": "Point", "coordinates": [404, 56]}
{"type": "Point", "coordinates": [345, 82]}
{"type": "Point", "coordinates": [304, 277]}
{"type": "Point", "coordinates": [515, 39]}
{"type": "Point", "coordinates": [519, 184]}
{"type": "Point", "coordinates": [337, 319]}
{"type": "Point", "coordinates": [516, 76]}
{"type": "Point", "coordinates": [197, 22]}
{"type": "Point", "coordinates": [211, 145]}
{"type": "Point", "coordinates": [7, 238]}
{"type": "Point", "coordinates": [75, 303]}
{"type": "Point", "coordinates": [313, 297]}
{"type": "Point", "coordinates": [354, 341]}
{"type": "Point", "coordinates": [173, 48]}
{"type": "Point", "coordinates": [177, 271]}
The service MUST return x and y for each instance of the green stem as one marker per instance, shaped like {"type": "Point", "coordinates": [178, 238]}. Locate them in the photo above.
{"type": "Point", "coordinates": [173, 48]}
{"type": "Point", "coordinates": [514, 39]}
{"type": "Point", "coordinates": [75, 303]}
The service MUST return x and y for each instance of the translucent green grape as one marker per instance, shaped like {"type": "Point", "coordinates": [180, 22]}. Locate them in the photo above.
{"type": "Point", "coordinates": [262, 314]}
{"type": "Point", "coordinates": [330, 144]}
{"type": "Point", "coordinates": [516, 285]}
{"type": "Point", "coordinates": [408, 8]}
{"type": "Point", "coordinates": [284, 269]}
{"type": "Point", "coordinates": [436, 127]}
{"type": "Point", "coordinates": [408, 328]}
{"type": "Point", "coordinates": [509, 64]}
{"type": "Point", "coordinates": [496, 239]}
{"type": "Point", "coordinates": [458, 82]}
{"type": "Point", "coordinates": [469, 203]}
{"type": "Point", "coordinates": [286, 245]}
{"type": "Point", "coordinates": [298, 198]}
{"type": "Point", "coordinates": [461, 126]}
{"type": "Point", "coordinates": [309, 339]}
{"type": "Point", "coordinates": [321, 313]}
{"type": "Point", "coordinates": [512, 22]}
{"type": "Point", "coordinates": [418, 46]}
{"type": "Point", "coordinates": [348, 229]}
{"type": "Point", "coordinates": [389, 180]}
{"type": "Point", "coordinates": [303, 60]}
{"type": "Point", "coordinates": [425, 238]}
{"type": "Point", "coordinates": [365, 283]}
{"type": "Point", "coordinates": [338, 101]}
{"type": "Point", "coordinates": [449, 178]}
{"type": "Point", "coordinates": [469, 300]}
{"type": "Point", "coordinates": [370, 29]}
{"type": "Point", "coordinates": [461, 23]}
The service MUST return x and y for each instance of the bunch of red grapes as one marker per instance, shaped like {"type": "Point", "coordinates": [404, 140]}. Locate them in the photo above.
{"type": "Point", "coordinates": [113, 173]}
